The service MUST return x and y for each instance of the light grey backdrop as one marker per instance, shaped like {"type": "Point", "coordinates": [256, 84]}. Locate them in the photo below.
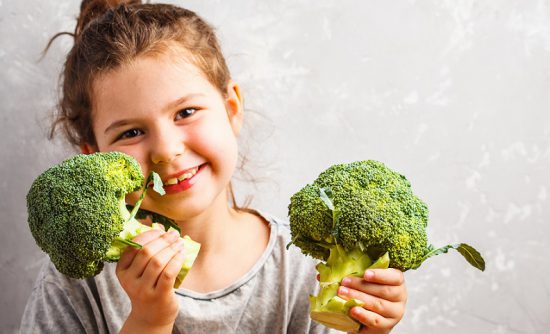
{"type": "Point", "coordinates": [453, 94]}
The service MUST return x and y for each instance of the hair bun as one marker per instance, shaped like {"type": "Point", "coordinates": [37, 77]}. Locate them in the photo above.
{"type": "Point", "coordinates": [92, 9]}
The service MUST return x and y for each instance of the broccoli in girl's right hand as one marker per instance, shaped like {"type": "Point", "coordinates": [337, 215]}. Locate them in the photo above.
{"type": "Point", "coordinates": [357, 216]}
{"type": "Point", "coordinates": [78, 215]}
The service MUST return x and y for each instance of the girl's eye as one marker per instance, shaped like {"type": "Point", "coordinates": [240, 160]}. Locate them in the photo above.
{"type": "Point", "coordinates": [184, 113]}
{"type": "Point", "coordinates": [130, 134]}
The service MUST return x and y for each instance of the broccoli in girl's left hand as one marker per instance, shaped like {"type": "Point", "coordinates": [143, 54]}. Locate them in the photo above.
{"type": "Point", "coordinates": [357, 216]}
{"type": "Point", "coordinates": [78, 215]}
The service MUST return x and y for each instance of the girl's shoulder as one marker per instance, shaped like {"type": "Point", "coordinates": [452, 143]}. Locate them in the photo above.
{"type": "Point", "coordinates": [277, 224]}
{"type": "Point", "coordinates": [281, 248]}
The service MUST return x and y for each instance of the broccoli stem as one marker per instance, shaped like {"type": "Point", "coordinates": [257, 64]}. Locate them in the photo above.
{"type": "Point", "coordinates": [327, 307]}
{"type": "Point", "coordinates": [132, 228]}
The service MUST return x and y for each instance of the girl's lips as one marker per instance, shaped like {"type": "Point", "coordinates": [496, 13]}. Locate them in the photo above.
{"type": "Point", "coordinates": [189, 179]}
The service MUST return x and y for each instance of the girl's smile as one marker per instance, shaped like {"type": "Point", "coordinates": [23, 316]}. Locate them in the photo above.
{"type": "Point", "coordinates": [183, 180]}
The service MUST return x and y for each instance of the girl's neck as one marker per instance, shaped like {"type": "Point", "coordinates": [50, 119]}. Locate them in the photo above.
{"type": "Point", "coordinates": [231, 243]}
{"type": "Point", "coordinates": [214, 227]}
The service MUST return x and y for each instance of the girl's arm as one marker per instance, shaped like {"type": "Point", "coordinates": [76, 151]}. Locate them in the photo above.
{"type": "Point", "coordinates": [148, 275]}
{"type": "Point", "coordinates": [384, 294]}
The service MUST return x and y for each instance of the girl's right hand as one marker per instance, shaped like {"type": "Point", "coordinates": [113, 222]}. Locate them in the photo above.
{"type": "Point", "coordinates": [148, 275]}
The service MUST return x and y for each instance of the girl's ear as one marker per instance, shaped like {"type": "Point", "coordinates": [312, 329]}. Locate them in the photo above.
{"type": "Point", "coordinates": [234, 106]}
{"type": "Point", "coordinates": [87, 149]}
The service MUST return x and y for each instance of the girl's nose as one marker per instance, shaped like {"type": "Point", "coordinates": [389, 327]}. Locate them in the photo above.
{"type": "Point", "coordinates": [166, 147]}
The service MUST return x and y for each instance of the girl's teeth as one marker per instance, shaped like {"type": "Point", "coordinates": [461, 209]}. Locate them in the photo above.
{"type": "Point", "coordinates": [175, 180]}
{"type": "Point", "coordinates": [188, 175]}
{"type": "Point", "coordinates": [171, 181]}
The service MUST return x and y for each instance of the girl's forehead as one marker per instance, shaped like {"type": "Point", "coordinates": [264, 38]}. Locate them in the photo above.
{"type": "Point", "coordinates": [156, 74]}
{"type": "Point", "coordinates": [148, 83]}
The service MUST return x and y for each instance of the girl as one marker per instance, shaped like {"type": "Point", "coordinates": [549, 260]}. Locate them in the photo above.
{"type": "Point", "coordinates": [151, 81]}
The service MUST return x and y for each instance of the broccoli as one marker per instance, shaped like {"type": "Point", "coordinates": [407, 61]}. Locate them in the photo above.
{"type": "Point", "coordinates": [357, 216]}
{"type": "Point", "coordinates": [77, 212]}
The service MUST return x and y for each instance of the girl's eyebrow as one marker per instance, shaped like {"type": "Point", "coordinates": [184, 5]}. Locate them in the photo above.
{"type": "Point", "coordinates": [169, 106]}
{"type": "Point", "coordinates": [181, 100]}
{"type": "Point", "coordinates": [117, 124]}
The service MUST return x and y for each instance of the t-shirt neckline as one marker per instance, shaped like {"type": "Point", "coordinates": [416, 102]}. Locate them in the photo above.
{"type": "Point", "coordinates": [273, 226]}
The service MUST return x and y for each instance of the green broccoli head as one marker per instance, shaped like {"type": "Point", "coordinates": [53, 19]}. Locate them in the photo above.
{"type": "Point", "coordinates": [374, 207]}
{"type": "Point", "coordinates": [74, 209]}
{"type": "Point", "coordinates": [357, 216]}
{"type": "Point", "coordinates": [77, 212]}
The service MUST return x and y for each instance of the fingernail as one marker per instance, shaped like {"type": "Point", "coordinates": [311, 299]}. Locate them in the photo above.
{"type": "Point", "coordinates": [174, 233]}
{"type": "Point", "coordinates": [346, 281]}
{"type": "Point", "coordinates": [342, 290]}
{"type": "Point", "coordinates": [369, 274]}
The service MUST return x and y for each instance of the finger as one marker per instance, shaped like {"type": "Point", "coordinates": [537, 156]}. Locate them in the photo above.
{"type": "Point", "coordinates": [148, 251]}
{"type": "Point", "coordinates": [168, 276]}
{"type": "Point", "coordinates": [388, 276]}
{"type": "Point", "coordinates": [147, 236]}
{"type": "Point", "coordinates": [127, 257]}
{"type": "Point", "coordinates": [157, 264]}
{"type": "Point", "coordinates": [370, 320]}
{"type": "Point", "coordinates": [388, 292]}
{"type": "Point", "coordinates": [377, 305]}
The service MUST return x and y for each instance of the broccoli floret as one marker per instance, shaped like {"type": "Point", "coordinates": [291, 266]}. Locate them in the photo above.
{"type": "Point", "coordinates": [357, 216]}
{"type": "Point", "coordinates": [78, 216]}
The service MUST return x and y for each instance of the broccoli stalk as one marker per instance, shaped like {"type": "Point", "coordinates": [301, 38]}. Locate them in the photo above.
{"type": "Point", "coordinates": [327, 307]}
{"type": "Point", "coordinates": [78, 215]}
{"type": "Point", "coordinates": [358, 216]}
{"type": "Point", "coordinates": [133, 227]}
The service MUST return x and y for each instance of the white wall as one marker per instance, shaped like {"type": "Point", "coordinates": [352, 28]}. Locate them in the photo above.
{"type": "Point", "coordinates": [453, 94]}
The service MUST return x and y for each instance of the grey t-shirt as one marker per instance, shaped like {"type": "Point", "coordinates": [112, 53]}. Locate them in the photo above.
{"type": "Point", "coordinates": [271, 298]}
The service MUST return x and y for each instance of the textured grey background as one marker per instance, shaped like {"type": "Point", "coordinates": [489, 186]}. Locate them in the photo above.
{"type": "Point", "coordinates": [453, 94]}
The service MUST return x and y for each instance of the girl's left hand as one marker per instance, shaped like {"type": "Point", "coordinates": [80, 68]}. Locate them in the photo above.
{"type": "Point", "coordinates": [384, 294]}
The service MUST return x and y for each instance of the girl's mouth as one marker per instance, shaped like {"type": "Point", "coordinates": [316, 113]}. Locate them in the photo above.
{"type": "Point", "coordinates": [184, 181]}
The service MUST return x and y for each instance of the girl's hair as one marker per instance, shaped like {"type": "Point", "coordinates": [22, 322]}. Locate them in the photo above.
{"type": "Point", "coordinates": [110, 34]}
{"type": "Point", "coordinates": [113, 33]}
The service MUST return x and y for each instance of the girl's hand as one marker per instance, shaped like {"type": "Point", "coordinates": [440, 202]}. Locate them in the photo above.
{"type": "Point", "coordinates": [384, 294]}
{"type": "Point", "coordinates": [148, 275]}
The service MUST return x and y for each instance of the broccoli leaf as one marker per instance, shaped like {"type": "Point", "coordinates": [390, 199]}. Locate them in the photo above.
{"type": "Point", "coordinates": [155, 218]}
{"type": "Point", "coordinates": [471, 255]}
{"type": "Point", "coordinates": [157, 184]}
{"type": "Point", "coordinates": [325, 195]}
{"type": "Point", "coordinates": [468, 252]}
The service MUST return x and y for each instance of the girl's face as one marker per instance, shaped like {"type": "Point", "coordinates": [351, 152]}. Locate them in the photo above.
{"type": "Point", "coordinates": [167, 115]}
